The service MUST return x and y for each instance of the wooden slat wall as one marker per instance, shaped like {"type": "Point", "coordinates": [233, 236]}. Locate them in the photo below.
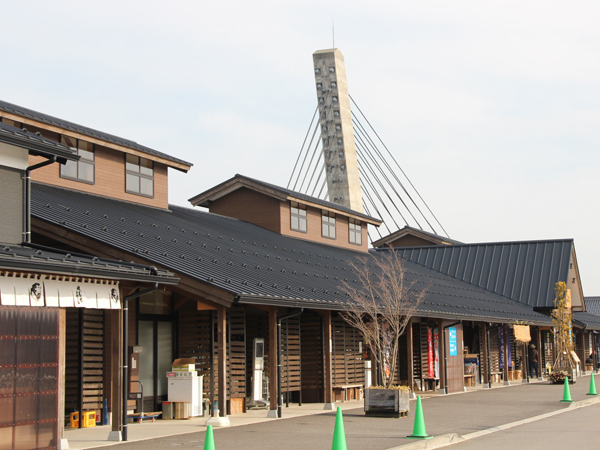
{"type": "Point", "coordinates": [423, 351]}
{"type": "Point", "coordinates": [72, 362]}
{"type": "Point", "coordinates": [236, 352]}
{"type": "Point", "coordinates": [93, 359]}
{"type": "Point", "coordinates": [417, 351]}
{"type": "Point", "coordinates": [92, 364]}
{"type": "Point", "coordinates": [347, 364]}
{"type": "Point", "coordinates": [194, 340]}
{"type": "Point", "coordinates": [495, 349]}
{"type": "Point", "coordinates": [312, 357]}
{"type": "Point", "coordinates": [290, 355]}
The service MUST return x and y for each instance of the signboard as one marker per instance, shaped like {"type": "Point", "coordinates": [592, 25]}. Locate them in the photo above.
{"type": "Point", "coordinates": [452, 341]}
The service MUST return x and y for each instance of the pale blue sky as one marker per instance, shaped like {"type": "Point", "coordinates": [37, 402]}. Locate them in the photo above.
{"type": "Point", "coordinates": [492, 108]}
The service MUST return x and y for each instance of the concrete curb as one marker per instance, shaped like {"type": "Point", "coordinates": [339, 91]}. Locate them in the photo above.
{"type": "Point", "coordinates": [453, 438]}
{"type": "Point", "coordinates": [435, 442]}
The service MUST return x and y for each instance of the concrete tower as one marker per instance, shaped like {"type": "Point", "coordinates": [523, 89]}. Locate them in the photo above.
{"type": "Point", "coordinates": [337, 134]}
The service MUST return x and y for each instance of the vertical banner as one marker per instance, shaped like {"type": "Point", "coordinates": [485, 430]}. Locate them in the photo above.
{"type": "Point", "coordinates": [501, 347]}
{"type": "Point", "coordinates": [452, 341]}
{"type": "Point", "coordinates": [431, 371]}
{"type": "Point", "coordinates": [436, 352]}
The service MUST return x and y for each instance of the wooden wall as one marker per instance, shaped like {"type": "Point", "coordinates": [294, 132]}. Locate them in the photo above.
{"type": "Point", "coordinates": [249, 206]}
{"type": "Point", "coordinates": [347, 364]}
{"type": "Point", "coordinates": [312, 357]}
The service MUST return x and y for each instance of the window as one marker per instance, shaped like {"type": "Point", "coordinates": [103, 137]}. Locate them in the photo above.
{"type": "Point", "coordinates": [139, 176]}
{"type": "Point", "coordinates": [82, 170]}
{"type": "Point", "coordinates": [298, 217]}
{"type": "Point", "coordinates": [328, 224]}
{"type": "Point", "coordinates": [355, 232]}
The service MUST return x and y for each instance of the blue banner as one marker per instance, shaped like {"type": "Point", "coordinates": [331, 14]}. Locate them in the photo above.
{"type": "Point", "coordinates": [452, 341]}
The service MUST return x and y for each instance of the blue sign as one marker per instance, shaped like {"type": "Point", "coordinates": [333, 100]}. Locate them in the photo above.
{"type": "Point", "coordinates": [452, 339]}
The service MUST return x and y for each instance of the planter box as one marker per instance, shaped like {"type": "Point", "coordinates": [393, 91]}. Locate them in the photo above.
{"type": "Point", "coordinates": [386, 402]}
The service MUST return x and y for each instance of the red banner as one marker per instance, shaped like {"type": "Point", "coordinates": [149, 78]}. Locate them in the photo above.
{"type": "Point", "coordinates": [431, 372]}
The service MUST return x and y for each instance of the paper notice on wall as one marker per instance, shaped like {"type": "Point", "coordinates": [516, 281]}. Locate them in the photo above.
{"type": "Point", "coordinates": [7, 291]}
{"type": "Point", "coordinates": [51, 292]}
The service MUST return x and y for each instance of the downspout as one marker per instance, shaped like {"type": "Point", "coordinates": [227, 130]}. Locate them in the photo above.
{"type": "Point", "coordinates": [27, 199]}
{"type": "Point", "coordinates": [125, 348]}
{"type": "Point", "coordinates": [279, 320]}
{"type": "Point", "coordinates": [446, 353]}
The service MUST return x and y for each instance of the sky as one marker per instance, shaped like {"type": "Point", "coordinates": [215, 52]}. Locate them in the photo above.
{"type": "Point", "coordinates": [491, 108]}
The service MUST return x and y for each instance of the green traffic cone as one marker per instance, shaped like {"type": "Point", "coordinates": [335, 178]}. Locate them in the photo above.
{"type": "Point", "coordinates": [592, 386]}
{"type": "Point", "coordinates": [567, 393]}
{"type": "Point", "coordinates": [209, 440]}
{"type": "Point", "coordinates": [339, 436]}
{"type": "Point", "coordinates": [419, 426]}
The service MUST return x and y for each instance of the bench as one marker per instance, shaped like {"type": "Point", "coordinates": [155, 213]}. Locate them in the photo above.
{"type": "Point", "coordinates": [431, 383]}
{"type": "Point", "coordinates": [496, 377]}
{"type": "Point", "coordinates": [343, 390]}
{"type": "Point", "coordinates": [469, 380]}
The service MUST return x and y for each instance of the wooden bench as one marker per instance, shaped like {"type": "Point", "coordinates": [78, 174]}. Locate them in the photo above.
{"type": "Point", "coordinates": [469, 380]}
{"type": "Point", "coordinates": [431, 383]}
{"type": "Point", "coordinates": [343, 390]}
{"type": "Point", "coordinates": [496, 377]}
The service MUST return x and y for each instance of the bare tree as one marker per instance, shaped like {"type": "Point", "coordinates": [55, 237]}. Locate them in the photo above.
{"type": "Point", "coordinates": [383, 298]}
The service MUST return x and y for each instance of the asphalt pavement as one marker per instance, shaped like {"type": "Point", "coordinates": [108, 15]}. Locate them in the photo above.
{"type": "Point", "coordinates": [475, 416]}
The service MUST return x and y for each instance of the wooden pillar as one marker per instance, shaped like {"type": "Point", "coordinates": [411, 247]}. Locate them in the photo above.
{"type": "Point", "coordinates": [442, 356]}
{"type": "Point", "coordinates": [328, 341]}
{"type": "Point", "coordinates": [505, 350]}
{"type": "Point", "coordinates": [62, 323]}
{"type": "Point", "coordinates": [484, 355]}
{"type": "Point", "coordinates": [409, 354]}
{"type": "Point", "coordinates": [116, 350]}
{"type": "Point", "coordinates": [273, 386]}
{"type": "Point", "coordinates": [222, 360]}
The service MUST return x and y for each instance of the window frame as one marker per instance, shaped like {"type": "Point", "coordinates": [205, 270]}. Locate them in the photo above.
{"type": "Point", "coordinates": [354, 230]}
{"type": "Point", "coordinates": [138, 175]}
{"type": "Point", "coordinates": [82, 160]}
{"type": "Point", "coordinates": [328, 225]}
{"type": "Point", "coordinates": [298, 212]}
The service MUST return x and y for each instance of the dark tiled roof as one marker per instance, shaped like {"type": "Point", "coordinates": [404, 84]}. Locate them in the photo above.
{"type": "Point", "coordinates": [43, 260]}
{"type": "Point", "coordinates": [592, 305]}
{"type": "Point", "coordinates": [49, 120]}
{"type": "Point", "coordinates": [285, 192]}
{"type": "Point", "coordinates": [255, 264]}
{"type": "Point", "coordinates": [524, 271]}
{"type": "Point", "coordinates": [34, 143]}
{"type": "Point", "coordinates": [590, 321]}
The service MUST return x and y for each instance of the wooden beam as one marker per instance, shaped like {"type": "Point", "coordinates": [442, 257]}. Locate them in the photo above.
{"type": "Point", "coordinates": [273, 387]}
{"type": "Point", "coordinates": [505, 350]}
{"type": "Point", "coordinates": [62, 324]}
{"type": "Point", "coordinates": [410, 354]}
{"type": "Point", "coordinates": [442, 355]}
{"type": "Point", "coordinates": [222, 359]}
{"type": "Point", "coordinates": [483, 350]}
{"type": "Point", "coordinates": [328, 341]}
{"type": "Point", "coordinates": [116, 349]}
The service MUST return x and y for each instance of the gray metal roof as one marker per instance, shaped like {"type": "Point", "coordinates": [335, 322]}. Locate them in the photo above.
{"type": "Point", "coordinates": [53, 261]}
{"type": "Point", "coordinates": [256, 265]}
{"type": "Point", "coordinates": [590, 321]}
{"type": "Point", "coordinates": [408, 230]}
{"type": "Point", "coordinates": [592, 305]}
{"type": "Point", "coordinates": [35, 143]}
{"type": "Point", "coordinates": [524, 271]}
{"type": "Point", "coordinates": [284, 191]}
{"type": "Point", "coordinates": [49, 120]}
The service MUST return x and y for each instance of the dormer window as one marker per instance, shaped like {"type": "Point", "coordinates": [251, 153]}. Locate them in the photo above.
{"type": "Point", "coordinates": [355, 232]}
{"type": "Point", "coordinates": [139, 176]}
{"type": "Point", "coordinates": [328, 224]}
{"type": "Point", "coordinates": [298, 217]}
{"type": "Point", "coordinates": [82, 170]}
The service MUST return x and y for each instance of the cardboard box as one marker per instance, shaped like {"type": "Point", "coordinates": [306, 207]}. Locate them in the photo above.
{"type": "Point", "coordinates": [184, 365]}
